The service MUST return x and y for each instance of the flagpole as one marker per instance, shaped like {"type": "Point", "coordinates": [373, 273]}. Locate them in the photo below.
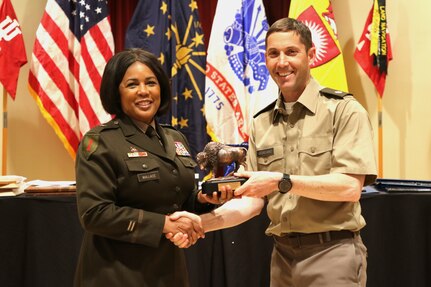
{"type": "Point", "coordinates": [380, 135]}
{"type": "Point", "coordinates": [4, 135]}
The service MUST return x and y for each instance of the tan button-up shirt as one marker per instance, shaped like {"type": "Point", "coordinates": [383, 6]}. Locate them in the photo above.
{"type": "Point", "coordinates": [324, 134]}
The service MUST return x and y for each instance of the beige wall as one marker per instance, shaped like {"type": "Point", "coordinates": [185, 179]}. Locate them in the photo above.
{"type": "Point", "coordinates": [34, 151]}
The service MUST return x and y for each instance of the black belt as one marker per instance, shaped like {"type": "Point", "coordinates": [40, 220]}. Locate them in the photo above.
{"type": "Point", "coordinates": [302, 239]}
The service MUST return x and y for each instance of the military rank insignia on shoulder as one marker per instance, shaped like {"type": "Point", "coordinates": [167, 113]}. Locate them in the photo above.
{"type": "Point", "coordinates": [331, 93]}
{"type": "Point", "coordinates": [168, 126]}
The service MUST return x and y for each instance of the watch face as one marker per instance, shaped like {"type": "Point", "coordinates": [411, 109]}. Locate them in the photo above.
{"type": "Point", "coordinates": [285, 184]}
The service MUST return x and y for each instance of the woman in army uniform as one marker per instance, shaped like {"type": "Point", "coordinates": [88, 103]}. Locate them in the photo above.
{"type": "Point", "coordinates": [131, 173]}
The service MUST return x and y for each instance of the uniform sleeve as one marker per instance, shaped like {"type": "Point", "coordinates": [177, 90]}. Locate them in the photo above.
{"type": "Point", "coordinates": [96, 182]}
{"type": "Point", "coordinates": [353, 146]}
{"type": "Point", "coordinates": [251, 161]}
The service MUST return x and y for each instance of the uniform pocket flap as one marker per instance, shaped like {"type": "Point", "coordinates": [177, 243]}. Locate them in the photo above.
{"type": "Point", "coordinates": [266, 156]}
{"type": "Point", "coordinates": [315, 146]}
{"type": "Point", "coordinates": [141, 164]}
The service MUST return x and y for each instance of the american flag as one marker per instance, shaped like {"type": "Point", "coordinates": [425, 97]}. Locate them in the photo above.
{"type": "Point", "coordinates": [73, 43]}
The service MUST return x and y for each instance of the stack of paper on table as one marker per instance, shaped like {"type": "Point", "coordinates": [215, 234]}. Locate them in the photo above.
{"type": "Point", "coordinates": [45, 186]}
{"type": "Point", "coordinates": [11, 185]}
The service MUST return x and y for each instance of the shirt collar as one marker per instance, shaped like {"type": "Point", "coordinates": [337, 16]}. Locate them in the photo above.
{"type": "Point", "coordinates": [308, 99]}
{"type": "Point", "coordinates": [143, 126]}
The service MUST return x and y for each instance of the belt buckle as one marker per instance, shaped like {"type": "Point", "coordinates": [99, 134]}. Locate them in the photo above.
{"type": "Point", "coordinates": [324, 237]}
{"type": "Point", "coordinates": [298, 240]}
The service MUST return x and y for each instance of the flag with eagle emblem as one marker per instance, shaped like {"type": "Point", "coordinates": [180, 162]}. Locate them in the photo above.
{"type": "Point", "coordinates": [238, 84]}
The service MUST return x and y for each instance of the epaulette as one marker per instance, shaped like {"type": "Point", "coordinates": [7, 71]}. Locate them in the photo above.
{"type": "Point", "coordinates": [331, 93]}
{"type": "Point", "coordinates": [265, 109]}
{"type": "Point", "coordinates": [177, 133]}
{"type": "Point", "coordinates": [168, 126]}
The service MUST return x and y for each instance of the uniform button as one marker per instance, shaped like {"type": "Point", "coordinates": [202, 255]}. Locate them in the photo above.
{"type": "Point", "coordinates": [291, 126]}
{"type": "Point", "coordinates": [177, 189]}
{"type": "Point", "coordinates": [175, 172]}
{"type": "Point", "coordinates": [144, 166]}
{"type": "Point", "coordinates": [292, 148]}
{"type": "Point", "coordinates": [313, 149]}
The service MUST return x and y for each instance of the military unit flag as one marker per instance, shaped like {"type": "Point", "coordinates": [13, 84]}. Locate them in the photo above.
{"type": "Point", "coordinates": [73, 44]}
{"type": "Point", "coordinates": [238, 83]}
{"type": "Point", "coordinates": [171, 30]}
{"type": "Point", "coordinates": [373, 51]}
{"type": "Point", "coordinates": [328, 67]}
{"type": "Point", "coordinates": [12, 49]}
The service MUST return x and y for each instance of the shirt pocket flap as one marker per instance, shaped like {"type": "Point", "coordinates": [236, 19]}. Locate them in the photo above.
{"type": "Point", "coordinates": [314, 146]}
{"type": "Point", "coordinates": [268, 158]}
{"type": "Point", "coordinates": [141, 164]}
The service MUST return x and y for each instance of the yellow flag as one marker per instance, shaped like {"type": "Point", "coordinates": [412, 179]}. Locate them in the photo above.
{"type": "Point", "coordinates": [328, 67]}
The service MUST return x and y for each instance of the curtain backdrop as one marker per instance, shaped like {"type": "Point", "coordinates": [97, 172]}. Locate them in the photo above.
{"type": "Point", "coordinates": [122, 12]}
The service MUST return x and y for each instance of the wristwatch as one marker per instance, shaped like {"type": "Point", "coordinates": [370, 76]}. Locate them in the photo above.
{"type": "Point", "coordinates": [285, 184]}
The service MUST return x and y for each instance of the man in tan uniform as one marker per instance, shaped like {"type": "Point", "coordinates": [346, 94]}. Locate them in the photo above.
{"type": "Point", "coordinates": [311, 152]}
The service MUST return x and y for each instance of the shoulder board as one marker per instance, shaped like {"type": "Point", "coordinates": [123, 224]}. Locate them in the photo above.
{"type": "Point", "coordinates": [177, 136]}
{"type": "Point", "coordinates": [265, 109]}
{"type": "Point", "coordinates": [331, 93]}
{"type": "Point", "coordinates": [168, 126]}
{"type": "Point", "coordinates": [112, 124]}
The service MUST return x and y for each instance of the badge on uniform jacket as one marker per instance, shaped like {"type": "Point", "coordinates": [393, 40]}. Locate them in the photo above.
{"type": "Point", "coordinates": [135, 153]}
{"type": "Point", "coordinates": [180, 149]}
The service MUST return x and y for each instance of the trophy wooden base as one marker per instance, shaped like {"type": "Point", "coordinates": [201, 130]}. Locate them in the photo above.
{"type": "Point", "coordinates": [214, 184]}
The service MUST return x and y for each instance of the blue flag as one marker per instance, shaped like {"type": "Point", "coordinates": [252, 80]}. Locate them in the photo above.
{"type": "Point", "coordinates": [171, 30]}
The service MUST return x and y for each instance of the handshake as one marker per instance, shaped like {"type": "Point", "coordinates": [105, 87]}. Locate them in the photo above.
{"type": "Point", "coordinates": [183, 228]}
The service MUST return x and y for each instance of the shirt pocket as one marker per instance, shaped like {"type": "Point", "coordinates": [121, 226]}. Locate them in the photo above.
{"type": "Point", "coordinates": [315, 155]}
{"type": "Point", "coordinates": [146, 169]}
{"type": "Point", "coordinates": [268, 161]}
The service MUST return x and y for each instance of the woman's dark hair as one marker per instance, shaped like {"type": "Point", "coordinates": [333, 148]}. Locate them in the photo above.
{"type": "Point", "coordinates": [292, 25]}
{"type": "Point", "coordinates": [114, 73]}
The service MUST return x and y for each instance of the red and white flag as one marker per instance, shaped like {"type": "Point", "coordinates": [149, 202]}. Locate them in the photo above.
{"type": "Point", "coordinates": [374, 51]}
{"type": "Point", "coordinates": [12, 49]}
{"type": "Point", "coordinates": [73, 44]}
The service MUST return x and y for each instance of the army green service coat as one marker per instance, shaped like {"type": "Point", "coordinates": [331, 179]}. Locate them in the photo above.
{"type": "Point", "coordinates": [126, 184]}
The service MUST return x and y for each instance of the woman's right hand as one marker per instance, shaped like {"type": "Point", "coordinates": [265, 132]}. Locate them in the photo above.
{"type": "Point", "coordinates": [185, 223]}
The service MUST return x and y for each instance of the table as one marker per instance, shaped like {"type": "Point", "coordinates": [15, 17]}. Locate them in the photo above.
{"type": "Point", "coordinates": [40, 238]}
{"type": "Point", "coordinates": [398, 238]}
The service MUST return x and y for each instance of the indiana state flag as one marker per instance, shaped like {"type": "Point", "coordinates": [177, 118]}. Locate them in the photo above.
{"type": "Point", "coordinates": [171, 30]}
{"type": "Point", "coordinates": [328, 67]}
{"type": "Point", "coordinates": [238, 83]}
